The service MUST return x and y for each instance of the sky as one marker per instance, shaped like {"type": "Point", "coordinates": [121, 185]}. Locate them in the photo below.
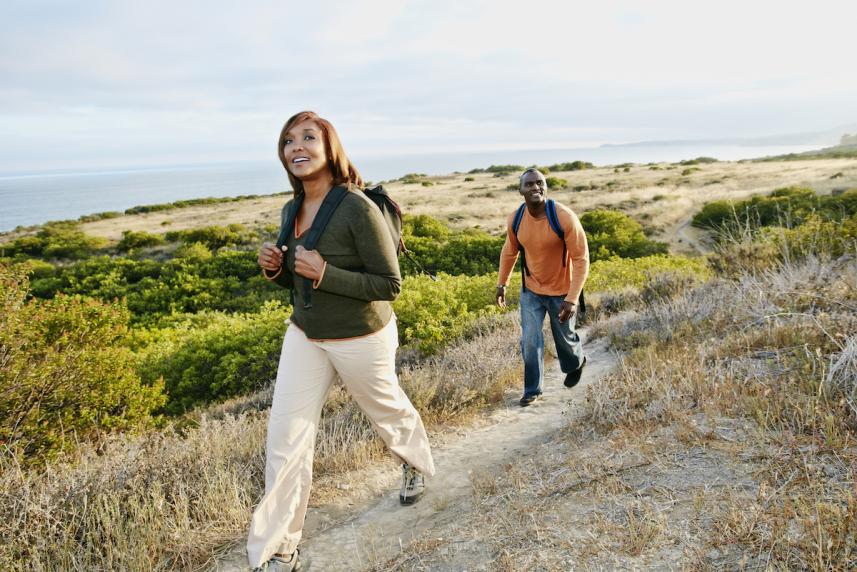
{"type": "Point", "coordinates": [96, 84]}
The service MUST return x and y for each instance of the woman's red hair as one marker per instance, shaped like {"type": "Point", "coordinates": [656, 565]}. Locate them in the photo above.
{"type": "Point", "coordinates": [343, 171]}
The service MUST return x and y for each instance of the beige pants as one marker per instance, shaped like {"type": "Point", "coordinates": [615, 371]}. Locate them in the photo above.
{"type": "Point", "coordinates": [307, 368]}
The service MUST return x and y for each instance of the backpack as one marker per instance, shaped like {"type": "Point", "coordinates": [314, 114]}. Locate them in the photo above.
{"type": "Point", "coordinates": [553, 221]}
{"type": "Point", "coordinates": [389, 210]}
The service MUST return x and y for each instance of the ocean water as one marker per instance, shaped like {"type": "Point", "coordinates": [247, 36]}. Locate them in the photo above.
{"type": "Point", "coordinates": [37, 198]}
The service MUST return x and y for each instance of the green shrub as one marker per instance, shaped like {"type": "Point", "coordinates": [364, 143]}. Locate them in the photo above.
{"type": "Point", "coordinates": [505, 169]}
{"type": "Point", "coordinates": [412, 178]}
{"type": "Point", "coordinates": [572, 166]}
{"type": "Point", "coordinates": [210, 356]}
{"type": "Point", "coordinates": [789, 206]}
{"type": "Point", "coordinates": [698, 161]}
{"type": "Point", "coordinates": [469, 179]}
{"type": "Point", "coordinates": [67, 370]}
{"type": "Point", "coordinates": [472, 252]}
{"type": "Point", "coordinates": [617, 274]}
{"type": "Point", "coordinates": [611, 233]}
{"type": "Point", "coordinates": [556, 183]}
{"type": "Point", "coordinates": [427, 184]}
{"type": "Point", "coordinates": [138, 239]}
{"type": "Point", "coordinates": [196, 281]}
{"type": "Point", "coordinates": [214, 237]}
{"type": "Point", "coordinates": [99, 216]}
{"type": "Point", "coordinates": [424, 226]}
{"type": "Point", "coordinates": [432, 313]}
{"type": "Point", "coordinates": [62, 240]}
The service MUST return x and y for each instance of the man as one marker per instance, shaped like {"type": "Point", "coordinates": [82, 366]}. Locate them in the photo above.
{"type": "Point", "coordinates": [554, 270]}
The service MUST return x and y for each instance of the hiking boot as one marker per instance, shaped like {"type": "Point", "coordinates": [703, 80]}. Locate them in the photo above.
{"type": "Point", "coordinates": [282, 563]}
{"type": "Point", "coordinates": [573, 378]}
{"type": "Point", "coordinates": [413, 485]}
{"type": "Point", "coordinates": [527, 399]}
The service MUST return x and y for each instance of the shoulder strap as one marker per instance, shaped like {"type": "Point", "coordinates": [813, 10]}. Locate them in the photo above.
{"type": "Point", "coordinates": [553, 221]}
{"type": "Point", "coordinates": [325, 212]}
{"type": "Point", "coordinates": [328, 206]}
{"type": "Point", "coordinates": [288, 225]}
{"type": "Point", "coordinates": [519, 216]}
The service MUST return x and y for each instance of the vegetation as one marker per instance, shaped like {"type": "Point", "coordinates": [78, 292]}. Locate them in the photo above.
{"type": "Point", "coordinates": [556, 182]}
{"type": "Point", "coordinates": [54, 240]}
{"type": "Point", "coordinates": [612, 233]}
{"type": "Point", "coordinates": [791, 206]}
{"type": "Point", "coordinates": [214, 237]}
{"type": "Point", "coordinates": [138, 239]}
{"type": "Point", "coordinates": [68, 373]}
{"type": "Point", "coordinates": [190, 203]}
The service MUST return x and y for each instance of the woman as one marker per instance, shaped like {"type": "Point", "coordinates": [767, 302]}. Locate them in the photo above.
{"type": "Point", "coordinates": [348, 329]}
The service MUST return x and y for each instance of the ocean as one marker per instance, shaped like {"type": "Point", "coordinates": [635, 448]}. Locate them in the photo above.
{"type": "Point", "coordinates": [30, 199]}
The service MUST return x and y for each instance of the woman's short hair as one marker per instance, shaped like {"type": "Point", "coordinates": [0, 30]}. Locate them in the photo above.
{"type": "Point", "coordinates": [343, 171]}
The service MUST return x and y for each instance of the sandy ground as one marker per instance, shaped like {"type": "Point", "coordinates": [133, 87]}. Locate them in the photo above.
{"type": "Point", "coordinates": [659, 196]}
{"type": "Point", "coordinates": [356, 533]}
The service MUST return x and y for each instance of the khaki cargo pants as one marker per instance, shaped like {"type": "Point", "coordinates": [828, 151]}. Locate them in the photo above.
{"type": "Point", "coordinates": [306, 371]}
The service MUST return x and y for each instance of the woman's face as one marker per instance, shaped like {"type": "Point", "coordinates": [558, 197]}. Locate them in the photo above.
{"type": "Point", "coordinates": [304, 151]}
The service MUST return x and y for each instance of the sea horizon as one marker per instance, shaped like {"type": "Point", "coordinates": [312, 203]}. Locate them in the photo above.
{"type": "Point", "coordinates": [31, 198]}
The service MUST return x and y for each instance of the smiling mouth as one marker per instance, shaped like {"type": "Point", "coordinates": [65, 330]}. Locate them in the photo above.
{"type": "Point", "coordinates": [300, 160]}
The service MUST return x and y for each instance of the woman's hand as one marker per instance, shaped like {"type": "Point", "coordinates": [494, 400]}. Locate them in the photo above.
{"type": "Point", "coordinates": [308, 263]}
{"type": "Point", "coordinates": [270, 257]}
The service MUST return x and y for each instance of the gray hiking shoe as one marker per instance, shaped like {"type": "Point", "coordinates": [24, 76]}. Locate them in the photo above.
{"type": "Point", "coordinates": [282, 564]}
{"type": "Point", "coordinates": [413, 485]}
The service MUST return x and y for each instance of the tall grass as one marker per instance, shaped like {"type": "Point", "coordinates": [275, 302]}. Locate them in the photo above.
{"type": "Point", "coordinates": [168, 500]}
{"type": "Point", "coordinates": [778, 346]}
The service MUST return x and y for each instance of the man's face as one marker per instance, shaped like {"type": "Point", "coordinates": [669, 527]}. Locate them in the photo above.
{"type": "Point", "coordinates": [533, 187]}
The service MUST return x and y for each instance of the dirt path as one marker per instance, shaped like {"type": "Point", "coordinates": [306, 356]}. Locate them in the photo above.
{"type": "Point", "coordinates": [691, 237]}
{"type": "Point", "coordinates": [352, 537]}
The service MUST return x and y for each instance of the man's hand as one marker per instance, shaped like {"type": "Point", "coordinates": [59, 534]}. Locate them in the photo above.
{"type": "Point", "coordinates": [308, 263]}
{"type": "Point", "coordinates": [566, 311]}
{"type": "Point", "coordinates": [501, 296]}
{"type": "Point", "coordinates": [271, 257]}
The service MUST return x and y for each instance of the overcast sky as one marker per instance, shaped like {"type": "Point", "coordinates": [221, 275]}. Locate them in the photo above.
{"type": "Point", "coordinates": [90, 84]}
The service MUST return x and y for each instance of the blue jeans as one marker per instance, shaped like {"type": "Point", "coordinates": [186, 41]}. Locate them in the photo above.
{"type": "Point", "coordinates": [569, 349]}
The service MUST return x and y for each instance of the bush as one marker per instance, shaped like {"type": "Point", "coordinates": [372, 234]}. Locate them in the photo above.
{"type": "Point", "coordinates": [789, 206]}
{"type": "Point", "coordinates": [214, 237]}
{"type": "Point", "coordinates": [611, 233]}
{"type": "Point", "coordinates": [67, 370]}
{"type": "Point", "coordinates": [138, 239]}
{"type": "Point", "coordinates": [556, 183]}
{"type": "Point", "coordinates": [212, 355]}
{"type": "Point", "coordinates": [424, 226]}
{"type": "Point", "coordinates": [56, 240]}
{"type": "Point", "coordinates": [618, 274]}
{"type": "Point", "coordinates": [195, 281]}
{"type": "Point", "coordinates": [472, 252]}
{"type": "Point", "coordinates": [572, 166]}
{"type": "Point", "coordinates": [432, 313]}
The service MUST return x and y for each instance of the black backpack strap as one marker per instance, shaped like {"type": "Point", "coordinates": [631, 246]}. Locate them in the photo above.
{"type": "Point", "coordinates": [553, 221]}
{"type": "Point", "coordinates": [288, 225]}
{"type": "Point", "coordinates": [325, 212]}
{"type": "Point", "coordinates": [516, 224]}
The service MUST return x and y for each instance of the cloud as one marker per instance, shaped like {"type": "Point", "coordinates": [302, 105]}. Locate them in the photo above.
{"type": "Point", "coordinates": [189, 78]}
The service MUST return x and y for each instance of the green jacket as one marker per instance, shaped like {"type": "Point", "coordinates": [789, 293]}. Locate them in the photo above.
{"type": "Point", "coordinates": [361, 278]}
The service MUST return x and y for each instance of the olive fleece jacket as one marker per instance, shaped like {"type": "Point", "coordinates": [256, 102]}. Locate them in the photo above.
{"type": "Point", "coordinates": [360, 279]}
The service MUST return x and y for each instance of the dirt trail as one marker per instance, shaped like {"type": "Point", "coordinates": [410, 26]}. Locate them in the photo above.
{"type": "Point", "coordinates": [352, 537]}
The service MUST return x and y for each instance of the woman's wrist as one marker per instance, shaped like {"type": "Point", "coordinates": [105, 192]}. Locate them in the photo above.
{"type": "Point", "coordinates": [271, 276]}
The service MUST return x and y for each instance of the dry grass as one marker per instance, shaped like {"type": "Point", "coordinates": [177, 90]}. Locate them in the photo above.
{"type": "Point", "coordinates": [168, 501]}
{"type": "Point", "coordinates": [661, 199]}
{"type": "Point", "coordinates": [725, 441]}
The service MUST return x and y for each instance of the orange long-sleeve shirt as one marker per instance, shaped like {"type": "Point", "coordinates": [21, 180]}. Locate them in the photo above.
{"type": "Point", "coordinates": [543, 250]}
